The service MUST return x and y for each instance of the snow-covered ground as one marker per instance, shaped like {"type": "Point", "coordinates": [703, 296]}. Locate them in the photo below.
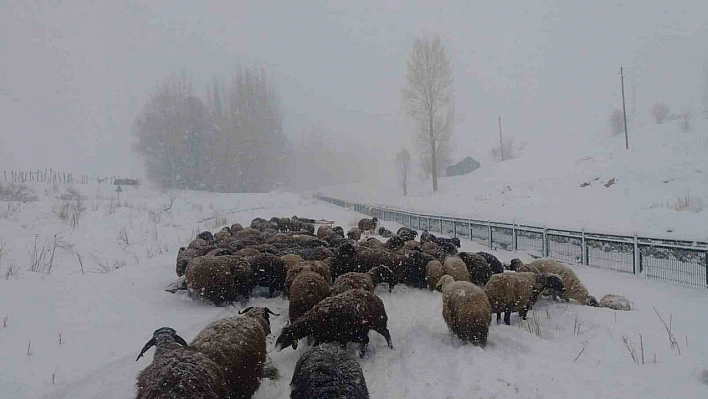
{"type": "Point", "coordinates": [69, 333]}
{"type": "Point", "coordinates": [660, 184]}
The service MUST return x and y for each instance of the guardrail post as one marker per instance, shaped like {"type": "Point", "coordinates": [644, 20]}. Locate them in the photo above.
{"type": "Point", "coordinates": [583, 248]}
{"type": "Point", "coordinates": [514, 238]}
{"type": "Point", "coordinates": [545, 242]}
{"type": "Point", "coordinates": [469, 224]}
{"type": "Point", "coordinates": [454, 228]}
{"type": "Point", "coordinates": [489, 236]}
{"type": "Point", "coordinates": [636, 265]}
{"type": "Point", "coordinates": [706, 269]}
{"type": "Point", "coordinates": [441, 223]}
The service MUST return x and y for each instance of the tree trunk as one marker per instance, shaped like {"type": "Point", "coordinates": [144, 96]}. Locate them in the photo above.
{"type": "Point", "coordinates": [405, 181]}
{"type": "Point", "coordinates": [433, 154]}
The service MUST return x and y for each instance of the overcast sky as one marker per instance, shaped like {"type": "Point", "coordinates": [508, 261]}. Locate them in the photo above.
{"type": "Point", "coordinates": [74, 74]}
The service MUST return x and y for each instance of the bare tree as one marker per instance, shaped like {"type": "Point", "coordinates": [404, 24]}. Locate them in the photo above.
{"type": "Point", "coordinates": [429, 99]}
{"type": "Point", "coordinates": [403, 162]}
{"type": "Point", "coordinates": [504, 151]}
{"type": "Point", "coordinates": [685, 120]}
{"type": "Point", "coordinates": [660, 111]}
{"type": "Point", "coordinates": [616, 122]}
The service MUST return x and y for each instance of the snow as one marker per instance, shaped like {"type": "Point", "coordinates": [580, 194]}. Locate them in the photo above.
{"type": "Point", "coordinates": [663, 167]}
{"type": "Point", "coordinates": [74, 334]}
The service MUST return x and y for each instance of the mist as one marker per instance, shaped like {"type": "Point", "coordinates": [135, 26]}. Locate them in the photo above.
{"type": "Point", "coordinates": [74, 76]}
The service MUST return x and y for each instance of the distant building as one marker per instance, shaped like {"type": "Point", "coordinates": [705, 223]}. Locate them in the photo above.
{"type": "Point", "coordinates": [463, 167]}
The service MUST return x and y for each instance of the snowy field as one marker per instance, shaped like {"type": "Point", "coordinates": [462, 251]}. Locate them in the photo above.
{"type": "Point", "coordinates": [73, 328]}
{"type": "Point", "coordinates": [660, 186]}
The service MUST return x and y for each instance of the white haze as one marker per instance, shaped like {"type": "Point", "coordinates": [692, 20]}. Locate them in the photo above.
{"type": "Point", "coordinates": [73, 75]}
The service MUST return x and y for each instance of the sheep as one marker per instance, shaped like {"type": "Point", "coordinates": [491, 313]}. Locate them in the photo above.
{"type": "Point", "coordinates": [479, 269]}
{"type": "Point", "coordinates": [368, 225]}
{"type": "Point", "coordinates": [317, 253]}
{"type": "Point", "coordinates": [371, 242]}
{"type": "Point", "coordinates": [574, 289]}
{"type": "Point", "coordinates": [307, 290]}
{"type": "Point", "coordinates": [410, 268]}
{"type": "Point", "coordinates": [220, 279]}
{"type": "Point", "coordinates": [223, 234]}
{"type": "Point", "coordinates": [447, 241]}
{"type": "Point", "coordinates": [328, 372]}
{"type": "Point", "coordinates": [238, 345]}
{"type": "Point", "coordinates": [184, 255]}
{"type": "Point", "coordinates": [367, 281]}
{"type": "Point", "coordinates": [324, 232]}
{"type": "Point", "coordinates": [178, 371]}
{"type": "Point", "coordinates": [308, 227]}
{"type": "Point", "coordinates": [407, 234]}
{"type": "Point", "coordinates": [493, 261]}
{"type": "Point", "coordinates": [247, 233]}
{"type": "Point", "coordinates": [364, 260]}
{"type": "Point", "coordinates": [304, 220]}
{"type": "Point", "coordinates": [456, 268]}
{"type": "Point", "coordinates": [283, 224]}
{"type": "Point", "coordinates": [466, 310]}
{"type": "Point", "coordinates": [248, 252]}
{"type": "Point", "coordinates": [394, 243]}
{"type": "Point", "coordinates": [206, 236]}
{"type": "Point", "coordinates": [346, 317]}
{"type": "Point", "coordinates": [268, 271]}
{"type": "Point", "coordinates": [259, 224]}
{"type": "Point", "coordinates": [312, 266]}
{"type": "Point", "coordinates": [339, 230]}
{"type": "Point", "coordinates": [518, 266]}
{"type": "Point", "coordinates": [384, 232]}
{"type": "Point", "coordinates": [202, 244]}
{"type": "Point", "coordinates": [412, 245]}
{"type": "Point", "coordinates": [425, 236]}
{"type": "Point", "coordinates": [518, 292]}
{"type": "Point", "coordinates": [354, 233]}
{"type": "Point", "coordinates": [290, 261]}
{"type": "Point", "coordinates": [219, 252]}
{"type": "Point", "coordinates": [433, 271]}
{"type": "Point", "coordinates": [236, 227]}
{"type": "Point", "coordinates": [616, 302]}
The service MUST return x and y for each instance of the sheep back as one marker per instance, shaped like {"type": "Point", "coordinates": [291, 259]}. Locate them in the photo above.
{"type": "Point", "coordinates": [477, 265]}
{"type": "Point", "coordinates": [184, 255]}
{"type": "Point", "coordinates": [328, 372]}
{"type": "Point", "coordinates": [493, 261]}
{"type": "Point", "coordinates": [238, 345]}
{"type": "Point", "coordinates": [354, 233]}
{"type": "Point", "coordinates": [324, 232]}
{"type": "Point", "coordinates": [510, 292]}
{"type": "Point", "coordinates": [466, 311]}
{"type": "Point", "coordinates": [456, 268]}
{"type": "Point", "coordinates": [433, 271]}
{"type": "Point", "coordinates": [318, 267]}
{"type": "Point", "coordinates": [573, 287]}
{"type": "Point", "coordinates": [181, 373]}
{"type": "Point", "coordinates": [307, 290]}
{"type": "Point", "coordinates": [219, 278]}
{"type": "Point", "coordinates": [353, 281]}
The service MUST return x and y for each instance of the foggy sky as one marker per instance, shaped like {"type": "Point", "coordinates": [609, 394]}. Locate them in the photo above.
{"type": "Point", "coordinates": [74, 74]}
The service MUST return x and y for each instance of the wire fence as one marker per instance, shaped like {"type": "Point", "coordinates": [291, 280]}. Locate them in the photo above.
{"type": "Point", "coordinates": [676, 261]}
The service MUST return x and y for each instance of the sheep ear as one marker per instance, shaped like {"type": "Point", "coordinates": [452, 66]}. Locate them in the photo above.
{"type": "Point", "coordinates": [271, 312]}
{"type": "Point", "coordinates": [245, 310]}
{"type": "Point", "coordinates": [294, 344]}
{"type": "Point", "coordinates": [147, 346]}
{"type": "Point", "coordinates": [180, 340]}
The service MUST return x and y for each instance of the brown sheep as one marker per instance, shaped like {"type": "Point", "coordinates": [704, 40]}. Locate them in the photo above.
{"type": "Point", "coordinates": [185, 255]}
{"type": "Point", "coordinates": [372, 242]}
{"type": "Point", "coordinates": [412, 245]}
{"type": "Point", "coordinates": [306, 291]}
{"type": "Point", "coordinates": [433, 271]}
{"type": "Point", "coordinates": [368, 225]}
{"type": "Point", "coordinates": [354, 233]}
{"type": "Point", "coordinates": [456, 268]}
{"type": "Point", "coordinates": [220, 279]}
{"type": "Point", "coordinates": [316, 266]}
{"type": "Point", "coordinates": [366, 281]}
{"type": "Point", "coordinates": [517, 292]}
{"type": "Point", "coordinates": [466, 310]}
{"type": "Point", "coordinates": [574, 289]}
{"type": "Point", "coordinates": [238, 345]}
{"type": "Point", "coordinates": [324, 232]}
{"type": "Point", "coordinates": [290, 261]}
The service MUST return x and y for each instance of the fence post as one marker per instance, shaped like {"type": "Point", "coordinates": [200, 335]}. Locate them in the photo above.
{"type": "Point", "coordinates": [441, 229]}
{"type": "Point", "coordinates": [454, 228]}
{"type": "Point", "coordinates": [514, 239]}
{"type": "Point", "coordinates": [469, 224]}
{"type": "Point", "coordinates": [706, 269]}
{"type": "Point", "coordinates": [583, 248]}
{"type": "Point", "coordinates": [636, 256]}
{"type": "Point", "coordinates": [545, 242]}
{"type": "Point", "coordinates": [489, 231]}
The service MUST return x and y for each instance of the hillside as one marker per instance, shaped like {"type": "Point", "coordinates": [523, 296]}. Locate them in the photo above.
{"type": "Point", "coordinates": [660, 184]}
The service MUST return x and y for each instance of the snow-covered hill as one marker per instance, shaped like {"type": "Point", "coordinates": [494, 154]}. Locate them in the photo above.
{"type": "Point", "coordinates": [660, 184]}
{"type": "Point", "coordinates": [74, 331]}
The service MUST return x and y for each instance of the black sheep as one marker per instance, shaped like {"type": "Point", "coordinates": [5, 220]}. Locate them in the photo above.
{"type": "Point", "coordinates": [493, 261]}
{"type": "Point", "coordinates": [407, 234]}
{"type": "Point", "coordinates": [328, 373]}
{"type": "Point", "coordinates": [347, 317]}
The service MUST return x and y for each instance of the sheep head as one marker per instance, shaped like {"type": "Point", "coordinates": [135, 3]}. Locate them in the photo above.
{"type": "Point", "coordinates": [592, 301]}
{"type": "Point", "coordinates": [206, 236]}
{"type": "Point", "coordinates": [161, 336]}
{"type": "Point", "coordinates": [515, 264]}
{"type": "Point", "coordinates": [286, 338]}
{"type": "Point", "coordinates": [552, 282]}
{"type": "Point", "coordinates": [444, 280]}
{"type": "Point", "coordinates": [456, 241]}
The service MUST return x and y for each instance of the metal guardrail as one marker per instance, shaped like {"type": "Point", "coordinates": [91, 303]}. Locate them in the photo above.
{"type": "Point", "coordinates": [676, 261]}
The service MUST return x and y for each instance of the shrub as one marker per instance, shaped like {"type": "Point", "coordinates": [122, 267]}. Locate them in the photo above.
{"type": "Point", "coordinates": [660, 111]}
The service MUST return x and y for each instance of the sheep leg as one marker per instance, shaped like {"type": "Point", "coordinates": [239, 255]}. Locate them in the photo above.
{"type": "Point", "coordinates": [364, 345]}
{"type": "Point", "coordinates": [386, 334]}
{"type": "Point", "coordinates": [507, 318]}
{"type": "Point", "coordinates": [498, 317]}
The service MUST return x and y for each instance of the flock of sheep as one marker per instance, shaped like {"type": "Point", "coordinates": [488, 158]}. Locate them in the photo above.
{"type": "Point", "coordinates": [329, 277]}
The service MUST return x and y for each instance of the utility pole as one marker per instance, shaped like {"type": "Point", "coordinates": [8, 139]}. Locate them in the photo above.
{"type": "Point", "coordinates": [501, 143]}
{"type": "Point", "coordinates": [624, 111]}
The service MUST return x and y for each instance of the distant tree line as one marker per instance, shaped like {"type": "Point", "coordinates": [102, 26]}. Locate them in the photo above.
{"type": "Point", "coordinates": [230, 140]}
